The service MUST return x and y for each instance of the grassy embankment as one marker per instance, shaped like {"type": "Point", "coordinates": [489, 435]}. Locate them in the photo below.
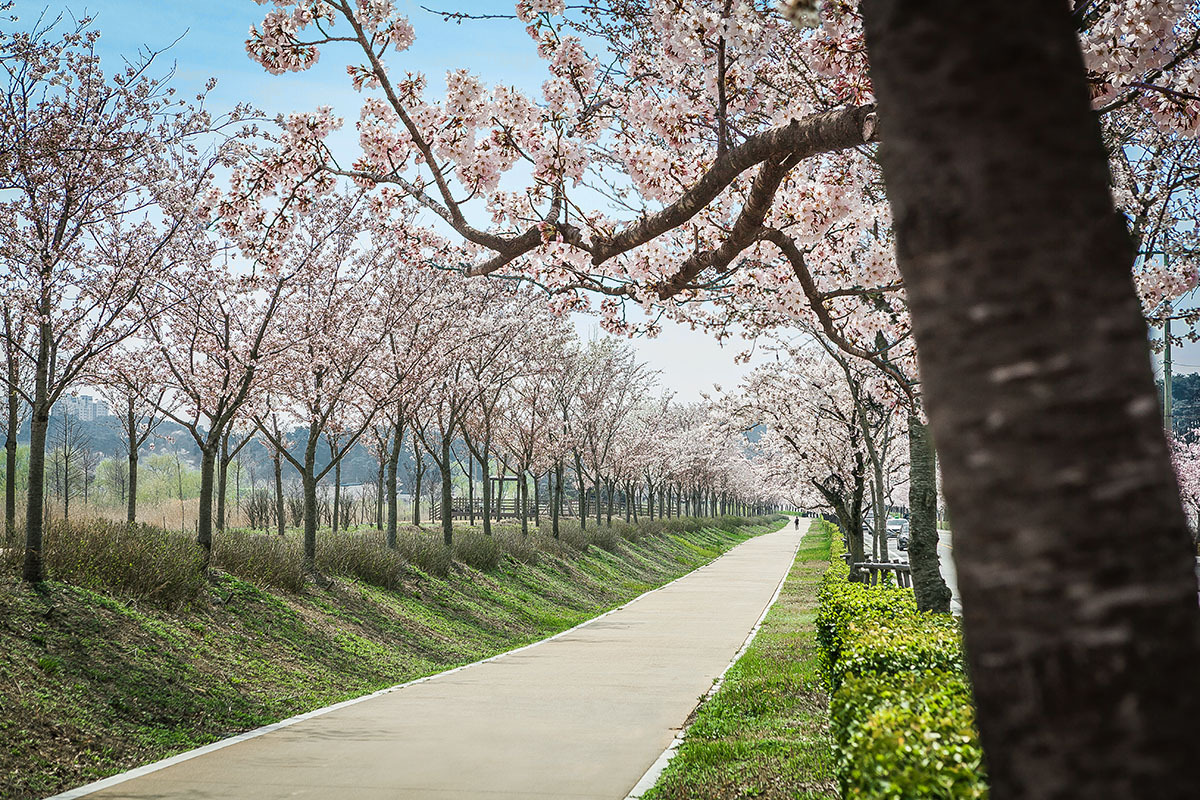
{"type": "Point", "coordinates": [765, 734]}
{"type": "Point", "coordinates": [96, 680]}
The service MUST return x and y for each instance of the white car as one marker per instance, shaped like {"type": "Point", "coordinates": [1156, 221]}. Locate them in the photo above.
{"type": "Point", "coordinates": [895, 527]}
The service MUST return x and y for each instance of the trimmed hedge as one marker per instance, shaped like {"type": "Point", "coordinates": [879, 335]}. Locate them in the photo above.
{"type": "Point", "coordinates": [903, 720]}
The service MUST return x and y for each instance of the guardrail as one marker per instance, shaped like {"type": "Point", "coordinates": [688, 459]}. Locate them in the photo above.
{"type": "Point", "coordinates": [875, 571]}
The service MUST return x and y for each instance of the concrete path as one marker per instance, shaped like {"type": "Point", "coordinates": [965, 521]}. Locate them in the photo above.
{"type": "Point", "coordinates": [581, 715]}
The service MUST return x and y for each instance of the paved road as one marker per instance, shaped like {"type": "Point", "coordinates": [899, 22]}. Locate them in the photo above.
{"type": "Point", "coordinates": [582, 715]}
{"type": "Point", "coordinates": [945, 562]}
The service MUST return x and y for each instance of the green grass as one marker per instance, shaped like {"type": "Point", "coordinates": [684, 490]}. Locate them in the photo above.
{"type": "Point", "coordinates": [765, 734]}
{"type": "Point", "coordinates": [94, 683]}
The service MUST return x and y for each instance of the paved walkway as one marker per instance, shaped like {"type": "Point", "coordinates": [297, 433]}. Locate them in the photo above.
{"type": "Point", "coordinates": [582, 715]}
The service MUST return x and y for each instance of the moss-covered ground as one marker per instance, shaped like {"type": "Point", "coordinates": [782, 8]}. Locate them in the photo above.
{"type": "Point", "coordinates": [91, 685]}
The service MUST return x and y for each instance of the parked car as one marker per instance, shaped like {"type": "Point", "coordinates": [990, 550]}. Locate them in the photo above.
{"type": "Point", "coordinates": [895, 527]}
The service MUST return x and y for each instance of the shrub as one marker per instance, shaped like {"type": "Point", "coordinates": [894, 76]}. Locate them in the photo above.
{"type": "Point", "coordinates": [888, 646]}
{"type": "Point", "coordinates": [521, 548]}
{"type": "Point", "coordinates": [846, 607]}
{"type": "Point", "coordinates": [605, 538]}
{"type": "Point", "coordinates": [260, 558]}
{"type": "Point", "coordinates": [363, 555]}
{"type": "Point", "coordinates": [907, 735]}
{"type": "Point", "coordinates": [474, 549]}
{"type": "Point", "coordinates": [164, 568]}
{"type": "Point", "coordinates": [425, 551]}
{"type": "Point", "coordinates": [902, 713]}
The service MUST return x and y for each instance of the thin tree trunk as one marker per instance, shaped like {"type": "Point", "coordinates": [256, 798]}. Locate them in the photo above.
{"type": "Point", "coordinates": [556, 503]}
{"type": "Point", "coordinates": [581, 485]}
{"type": "Point", "coordinates": [419, 468]}
{"type": "Point", "coordinates": [309, 485]}
{"type": "Point", "coordinates": [280, 522]}
{"type": "Point", "coordinates": [222, 481]}
{"type": "Point", "coordinates": [337, 496]}
{"type": "Point", "coordinates": [447, 510]}
{"type": "Point", "coordinates": [131, 505]}
{"type": "Point", "coordinates": [928, 585]}
{"type": "Point", "coordinates": [208, 460]}
{"type": "Point", "coordinates": [379, 490]}
{"type": "Point", "coordinates": [523, 494]}
{"type": "Point", "coordinates": [485, 464]}
{"type": "Point", "coordinates": [471, 487]}
{"type": "Point", "coordinates": [599, 507]}
{"type": "Point", "coordinates": [393, 485]}
{"type": "Point", "coordinates": [1075, 562]}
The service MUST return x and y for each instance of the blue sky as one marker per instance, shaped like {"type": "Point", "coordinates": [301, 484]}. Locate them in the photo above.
{"type": "Point", "coordinates": [499, 51]}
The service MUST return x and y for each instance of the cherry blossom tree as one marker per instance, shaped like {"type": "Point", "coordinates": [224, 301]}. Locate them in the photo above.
{"type": "Point", "coordinates": [100, 176]}
{"type": "Point", "coordinates": [135, 399]}
{"type": "Point", "coordinates": [735, 142]}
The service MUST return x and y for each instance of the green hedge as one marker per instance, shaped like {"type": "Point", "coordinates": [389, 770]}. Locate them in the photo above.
{"type": "Point", "coordinates": [903, 720]}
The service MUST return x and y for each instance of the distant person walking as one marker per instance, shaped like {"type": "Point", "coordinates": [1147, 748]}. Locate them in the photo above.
{"type": "Point", "coordinates": [797, 523]}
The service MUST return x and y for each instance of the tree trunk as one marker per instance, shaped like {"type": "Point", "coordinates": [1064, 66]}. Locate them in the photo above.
{"type": "Point", "coordinates": [393, 486]}
{"type": "Point", "coordinates": [379, 490]}
{"type": "Point", "coordinates": [447, 509]}
{"type": "Point", "coordinates": [928, 585]}
{"type": "Point", "coordinates": [309, 484]}
{"type": "Point", "coordinates": [581, 486]}
{"type": "Point", "coordinates": [208, 461]}
{"type": "Point", "coordinates": [523, 494]}
{"type": "Point", "coordinates": [280, 521]}
{"type": "Point", "coordinates": [222, 482]}
{"type": "Point", "coordinates": [10, 451]}
{"type": "Point", "coordinates": [471, 488]}
{"type": "Point", "coordinates": [537, 501]}
{"type": "Point", "coordinates": [419, 468]}
{"type": "Point", "coordinates": [337, 496]}
{"type": "Point", "coordinates": [486, 465]}
{"type": "Point", "coordinates": [599, 507]}
{"type": "Point", "coordinates": [39, 422]}
{"type": "Point", "coordinates": [556, 503]}
{"type": "Point", "coordinates": [1077, 571]}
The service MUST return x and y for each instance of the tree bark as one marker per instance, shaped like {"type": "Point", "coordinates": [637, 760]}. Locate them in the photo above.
{"type": "Point", "coordinates": [337, 496]}
{"type": "Point", "coordinates": [280, 521]}
{"type": "Point", "coordinates": [556, 503]}
{"type": "Point", "coordinates": [393, 486]}
{"type": "Point", "coordinates": [928, 585]}
{"type": "Point", "coordinates": [222, 480]}
{"type": "Point", "coordinates": [447, 510]}
{"type": "Point", "coordinates": [471, 487]}
{"type": "Point", "coordinates": [1077, 572]}
{"type": "Point", "coordinates": [39, 422]}
{"type": "Point", "coordinates": [208, 459]}
{"type": "Point", "coordinates": [485, 464]}
{"type": "Point", "coordinates": [419, 468]}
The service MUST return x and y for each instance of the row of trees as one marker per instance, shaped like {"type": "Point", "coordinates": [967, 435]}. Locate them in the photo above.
{"type": "Point", "coordinates": [741, 153]}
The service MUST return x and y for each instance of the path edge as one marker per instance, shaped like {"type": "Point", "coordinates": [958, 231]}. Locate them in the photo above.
{"type": "Point", "coordinates": [188, 755]}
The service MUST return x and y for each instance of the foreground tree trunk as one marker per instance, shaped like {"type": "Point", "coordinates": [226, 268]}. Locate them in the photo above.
{"type": "Point", "coordinates": [1077, 571]}
{"type": "Point", "coordinates": [928, 585]}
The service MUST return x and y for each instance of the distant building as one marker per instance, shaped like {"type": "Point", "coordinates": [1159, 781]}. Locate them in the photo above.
{"type": "Point", "coordinates": [83, 408]}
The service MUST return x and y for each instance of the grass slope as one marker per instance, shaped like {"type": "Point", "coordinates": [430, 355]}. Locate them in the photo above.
{"type": "Point", "coordinates": [91, 685]}
{"type": "Point", "coordinates": [765, 734]}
